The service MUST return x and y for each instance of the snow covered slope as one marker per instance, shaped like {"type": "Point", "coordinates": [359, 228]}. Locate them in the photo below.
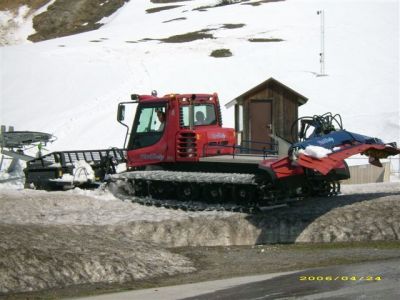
{"type": "Point", "coordinates": [71, 86]}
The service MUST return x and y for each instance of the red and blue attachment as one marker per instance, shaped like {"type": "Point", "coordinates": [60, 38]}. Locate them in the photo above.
{"type": "Point", "coordinates": [326, 148]}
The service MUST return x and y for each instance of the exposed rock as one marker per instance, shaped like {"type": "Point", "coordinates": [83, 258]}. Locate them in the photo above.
{"type": "Point", "coordinates": [66, 17]}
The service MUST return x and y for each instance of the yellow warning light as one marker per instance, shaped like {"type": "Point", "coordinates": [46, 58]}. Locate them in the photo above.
{"type": "Point", "coordinates": [197, 136]}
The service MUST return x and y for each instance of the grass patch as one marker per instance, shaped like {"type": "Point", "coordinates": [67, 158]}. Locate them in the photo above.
{"type": "Point", "coordinates": [197, 35]}
{"type": "Point", "coordinates": [158, 9]}
{"type": "Point", "coordinates": [261, 2]}
{"type": "Point", "coordinates": [64, 18]}
{"type": "Point", "coordinates": [226, 2]}
{"type": "Point", "coordinates": [166, 1]}
{"type": "Point", "coordinates": [262, 40]}
{"type": "Point", "coordinates": [233, 26]}
{"type": "Point", "coordinates": [188, 37]}
{"type": "Point", "coordinates": [219, 4]}
{"type": "Point", "coordinates": [172, 20]}
{"type": "Point", "coordinates": [147, 40]}
{"type": "Point", "coordinates": [221, 53]}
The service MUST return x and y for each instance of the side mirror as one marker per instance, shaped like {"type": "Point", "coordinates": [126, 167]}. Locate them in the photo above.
{"type": "Point", "coordinates": [121, 113]}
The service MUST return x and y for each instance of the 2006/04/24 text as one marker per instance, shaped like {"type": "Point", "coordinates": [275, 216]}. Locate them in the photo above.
{"type": "Point", "coordinates": [340, 278]}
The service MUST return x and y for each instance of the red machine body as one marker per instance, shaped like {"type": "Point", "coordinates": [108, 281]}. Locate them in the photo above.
{"type": "Point", "coordinates": [178, 149]}
{"type": "Point", "coordinates": [178, 155]}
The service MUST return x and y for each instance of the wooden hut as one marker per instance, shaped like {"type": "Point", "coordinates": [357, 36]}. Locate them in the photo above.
{"type": "Point", "coordinates": [264, 114]}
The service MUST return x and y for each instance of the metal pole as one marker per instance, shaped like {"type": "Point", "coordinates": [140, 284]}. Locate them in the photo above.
{"type": "Point", "coordinates": [321, 13]}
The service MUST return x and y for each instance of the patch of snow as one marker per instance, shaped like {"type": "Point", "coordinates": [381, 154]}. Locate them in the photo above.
{"type": "Point", "coordinates": [394, 177]}
{"type": "Point", "coordinates": [383, 187]}
{"type": "Point", "coordinates": [121, 168]}
{"type": "Point", "coordinates": [83, 207]}
{"type": "Point", "coordinates": [99, 194]}
{"type": "Point", "coordinates": [15, 27]}
{"type": "Point", "coordinates": [315, 151]}
{"type": "Point", "coordinates": [65, 178]}
{"type": "Point", "coordinates": [94, 77]}
{"type": "Point", "coordinates": [82, 172]}
{"type": "Point", "coordinates": [12, 183]}
{"type": "Point", "coordinates": [13, 180]}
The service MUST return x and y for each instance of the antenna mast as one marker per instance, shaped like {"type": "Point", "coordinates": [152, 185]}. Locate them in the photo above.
{"type": "Point", "coordinates": [321, 13]}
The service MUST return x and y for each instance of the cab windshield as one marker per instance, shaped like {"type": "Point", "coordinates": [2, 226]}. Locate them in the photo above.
{"type": "Point", "coordinates": [151, 119]}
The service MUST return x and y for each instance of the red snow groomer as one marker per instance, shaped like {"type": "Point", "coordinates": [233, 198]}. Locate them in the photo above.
{"type": "Point", "coordinates": [180, 156]}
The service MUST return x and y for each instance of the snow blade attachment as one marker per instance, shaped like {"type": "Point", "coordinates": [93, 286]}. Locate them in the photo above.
{"type": "Point", "coordinates": [325, 164]}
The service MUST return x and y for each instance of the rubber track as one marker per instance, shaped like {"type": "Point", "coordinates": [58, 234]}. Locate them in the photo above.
{"type": "Point", "coordinates": [121, 187]}
{"type": "Point", "coordinates": [123, 190]}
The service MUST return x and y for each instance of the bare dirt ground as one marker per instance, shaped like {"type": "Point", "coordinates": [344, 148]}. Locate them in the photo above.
{"type": "Point", "coordinates": [214, 263]}
{"type": "Point", "coordinates": [76, 243]}
{"type": "Point", "coordinates": [61, 18]}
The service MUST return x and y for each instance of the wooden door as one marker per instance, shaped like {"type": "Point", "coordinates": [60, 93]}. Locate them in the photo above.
{"type": "Point", "coordinates": [260, 125]}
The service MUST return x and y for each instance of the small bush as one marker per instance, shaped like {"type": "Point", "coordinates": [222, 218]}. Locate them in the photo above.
{"type": "Point", "coordinates": [227, 2]}
{"type": "Point", "coordinates": [188, 37]}
{"type": "Point", "coordinates": [261, 40]}
{"type": "Point", "coordinates": [172, 20]}
{"type": "Point", "coordinates": [233, 26]}
{"type": "Point", "coordinates": [166, 1]}
{"type": "Point", "coordinates": [221, 53]}
{"type": "Point", "coordinates": [158, 9]}
{"type": "Point", "coordinates": [220, 3]}
{"type": "Point", "coordinates": [261, 2]}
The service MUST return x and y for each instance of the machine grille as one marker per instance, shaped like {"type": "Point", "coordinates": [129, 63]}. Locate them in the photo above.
{"type": "Point", "coordinates": [186, 145]}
